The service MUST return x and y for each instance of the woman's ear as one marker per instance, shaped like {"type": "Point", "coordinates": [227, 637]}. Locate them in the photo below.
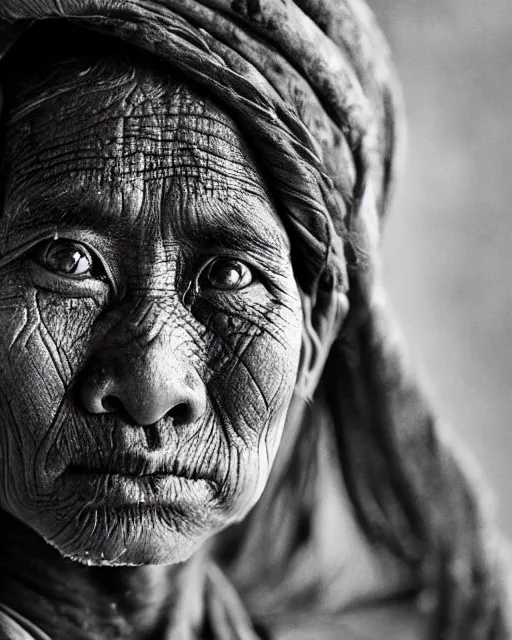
{"type": "Point", "coordinates": [323, 315]}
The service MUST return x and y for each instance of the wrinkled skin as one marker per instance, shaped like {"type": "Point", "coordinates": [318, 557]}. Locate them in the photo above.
{"type": "Point", "coordinates": [144, 380]}
{"type": "Point", "coordinates": [143, 397]}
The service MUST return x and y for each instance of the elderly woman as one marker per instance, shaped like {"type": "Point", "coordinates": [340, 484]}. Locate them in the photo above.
{"type": "Point", "coordinates": [207, 427]}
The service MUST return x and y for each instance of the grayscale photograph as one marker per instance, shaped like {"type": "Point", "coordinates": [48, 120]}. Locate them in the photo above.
{"type": "Point", "coordinates": [255, 320]}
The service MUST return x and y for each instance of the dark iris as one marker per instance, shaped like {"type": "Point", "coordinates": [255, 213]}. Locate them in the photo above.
{"type": "Point", "coordinates": [228, 274]}
{"type": "Point", "coordinates": [67, 258]}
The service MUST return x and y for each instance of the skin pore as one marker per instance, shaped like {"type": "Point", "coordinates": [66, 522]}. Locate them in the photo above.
{"type": "Point", "coordinates": [151, 334]}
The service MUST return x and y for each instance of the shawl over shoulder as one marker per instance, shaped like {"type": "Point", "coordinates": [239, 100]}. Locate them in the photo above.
{"type": "Point", "coordinates": [16, 627]}
{"type": "Point", "coordinates": [310, 85]}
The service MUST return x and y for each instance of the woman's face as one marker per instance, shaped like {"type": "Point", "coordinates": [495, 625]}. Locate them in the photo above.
{"type": "Point", "coordinates": [149, 318]}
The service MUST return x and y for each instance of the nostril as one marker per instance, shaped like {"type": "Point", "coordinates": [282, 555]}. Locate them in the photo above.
{"type": "Point", "coordinates": [111, 404]}
{"type": "Point", "coordinates": [180, 414]}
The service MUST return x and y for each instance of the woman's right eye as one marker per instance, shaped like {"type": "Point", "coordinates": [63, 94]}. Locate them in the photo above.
{"type": "Point", "coordinates": [227, 274]}
{"type": "Point", "coordinates": [70, 259]}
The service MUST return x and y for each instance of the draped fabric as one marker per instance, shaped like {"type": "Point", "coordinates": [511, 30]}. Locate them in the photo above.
{"type": "Point", "coordinates": [311, 87]}
{"type": "Point", "coordinates": [15, 627]}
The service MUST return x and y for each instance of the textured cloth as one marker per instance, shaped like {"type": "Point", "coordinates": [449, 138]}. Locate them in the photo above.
{"type": "Point", "coordinates": [310, 86]}
{"type": "Point", "coordinates": [16, 627]}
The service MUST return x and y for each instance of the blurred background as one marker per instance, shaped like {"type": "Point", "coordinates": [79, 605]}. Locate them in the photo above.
{"type": "Point", "coordinates": [448, 241]}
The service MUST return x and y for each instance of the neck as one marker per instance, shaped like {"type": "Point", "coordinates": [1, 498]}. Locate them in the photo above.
{"type": "Point", "coordinates": [69, 600]}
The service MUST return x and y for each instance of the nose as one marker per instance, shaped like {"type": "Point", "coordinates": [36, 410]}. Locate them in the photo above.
{"type": "Point", "coordinates": [147, 384]}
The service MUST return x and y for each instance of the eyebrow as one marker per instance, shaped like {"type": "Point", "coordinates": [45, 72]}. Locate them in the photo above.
{"type": "Point", "coordinates": [217, 223]}
{"type": "Point", "coordinates": [200, 230]}
{"type": "Point", "coordinates": [65, 211]}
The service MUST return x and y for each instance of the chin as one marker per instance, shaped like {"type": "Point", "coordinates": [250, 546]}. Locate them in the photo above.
{"type": "Point", "coordinates": [115, 520]}
{"type": "Point", "coordinates": [132, 536]}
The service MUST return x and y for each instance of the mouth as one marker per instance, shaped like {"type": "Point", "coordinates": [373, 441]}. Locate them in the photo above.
{"type": "Point", "coordinates": [132, 478]}
{"type": "Point", "coordinates": [134, 465]}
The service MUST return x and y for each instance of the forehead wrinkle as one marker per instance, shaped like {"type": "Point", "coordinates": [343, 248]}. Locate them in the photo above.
{"type": "Point", "coordinates": [185, 136]}
{"type": "Point", "coordinates": [126, 159]}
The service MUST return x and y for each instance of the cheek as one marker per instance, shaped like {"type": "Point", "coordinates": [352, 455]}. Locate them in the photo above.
{"type": "Point", "coordinates": [255, 370]}
{"type": "Point", "coordinates": [42, 342]}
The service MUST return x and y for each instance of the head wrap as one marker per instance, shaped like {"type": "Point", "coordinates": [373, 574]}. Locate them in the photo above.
{"type": "Point", "coordinates": [310, 85]}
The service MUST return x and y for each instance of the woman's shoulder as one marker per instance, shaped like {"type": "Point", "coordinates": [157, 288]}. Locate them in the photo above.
{"type": "Point", "coordinates": [13, 626]}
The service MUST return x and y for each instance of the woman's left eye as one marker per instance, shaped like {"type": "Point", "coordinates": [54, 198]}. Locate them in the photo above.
{"type": "Point", "coordinates": [70, 258]}
{"type": "Point", "coordinates": [227, 274]}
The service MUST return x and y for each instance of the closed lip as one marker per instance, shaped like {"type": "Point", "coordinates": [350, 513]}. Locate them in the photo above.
{"type": "Point", "coordinates": [115, 490]}
{"type": "Point", "coordinates": [135, 465]}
